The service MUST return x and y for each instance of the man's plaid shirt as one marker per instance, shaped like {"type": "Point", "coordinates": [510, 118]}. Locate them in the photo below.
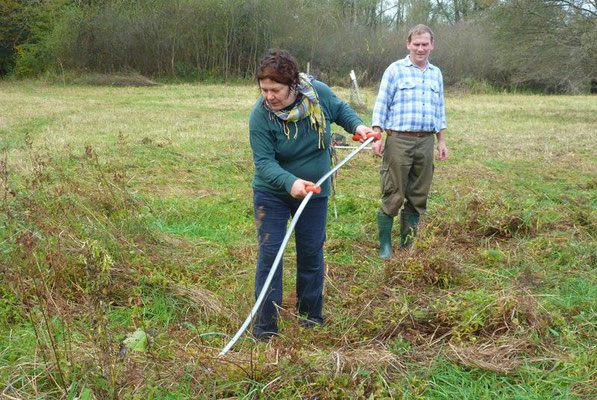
{"type": "Point", "coordinates": [409, 99]}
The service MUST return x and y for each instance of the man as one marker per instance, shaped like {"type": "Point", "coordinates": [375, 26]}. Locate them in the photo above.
{"type": "Point", "coordinates": [410, 108]}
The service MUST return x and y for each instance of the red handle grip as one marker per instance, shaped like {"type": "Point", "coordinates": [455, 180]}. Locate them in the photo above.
{"type": "Point", "coordinates": [375, 135]}
{"type": "Point", "coordinates": [313, 188]}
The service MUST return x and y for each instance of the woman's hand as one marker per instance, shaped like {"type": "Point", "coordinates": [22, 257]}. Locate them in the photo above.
{"type": "Point", "coordinates": [298, 188]}
{"type": "Point", "coordinates": [363, 131]}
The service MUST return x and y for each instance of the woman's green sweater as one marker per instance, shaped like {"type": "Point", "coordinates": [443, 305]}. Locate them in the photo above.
{"type": "Point", "coordinates": [280, 160]}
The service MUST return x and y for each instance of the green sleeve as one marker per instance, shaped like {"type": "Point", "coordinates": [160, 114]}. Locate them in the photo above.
{"type": "Point", "coordinates": [267, 167]}
{"type": "Point", "coordinates": [340, 112]}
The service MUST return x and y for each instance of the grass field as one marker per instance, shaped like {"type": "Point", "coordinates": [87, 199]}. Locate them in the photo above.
{"type": "Point", "coordinates": [127, 251]}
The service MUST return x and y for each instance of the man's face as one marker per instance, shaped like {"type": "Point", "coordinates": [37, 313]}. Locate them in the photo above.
{"type": "Point", "coordinates": [276, 94]}
{"type": "Point", "coordinates": [420, 46]}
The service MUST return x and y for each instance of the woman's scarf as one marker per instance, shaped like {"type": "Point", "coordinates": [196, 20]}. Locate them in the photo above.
{"type": "Point", "coordinates": [308, 106]}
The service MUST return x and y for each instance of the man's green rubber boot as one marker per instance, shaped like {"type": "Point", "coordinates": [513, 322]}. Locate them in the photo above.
{"type": "Point", "coordinates": [384, 225]}
{"type": "Point", "coordinates": [408, 228]}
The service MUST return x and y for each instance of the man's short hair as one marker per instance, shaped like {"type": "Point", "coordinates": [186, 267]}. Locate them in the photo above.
{"type": "Point", "coordinates": [419, 30]}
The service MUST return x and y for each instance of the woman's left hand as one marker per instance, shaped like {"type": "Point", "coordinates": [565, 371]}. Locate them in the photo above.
{"type": "Point", "coordinates": [363, 131]}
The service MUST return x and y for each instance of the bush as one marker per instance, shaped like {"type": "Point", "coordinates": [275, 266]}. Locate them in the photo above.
{"type": "Point", "coordinates": [39, 51]}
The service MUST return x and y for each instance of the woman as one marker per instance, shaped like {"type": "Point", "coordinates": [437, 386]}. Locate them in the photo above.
{"type": "Point", "coordinates": [290, 138]}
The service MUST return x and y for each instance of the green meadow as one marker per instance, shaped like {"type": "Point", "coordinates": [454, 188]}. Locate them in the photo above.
{"type": "Point", "coordinates": [128, 247]}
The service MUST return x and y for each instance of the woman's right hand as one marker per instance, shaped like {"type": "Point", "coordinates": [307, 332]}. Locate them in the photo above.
{"type": "Point", "coordinates": [298, 188]}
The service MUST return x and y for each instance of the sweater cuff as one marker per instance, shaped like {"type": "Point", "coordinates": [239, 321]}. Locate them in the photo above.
{"type": "Point", "coordinates": [288, 182]}
{"type": "Point", "coordinates": [356, 125]}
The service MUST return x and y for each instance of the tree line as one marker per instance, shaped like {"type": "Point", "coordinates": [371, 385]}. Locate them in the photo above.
{"type": "Point", "coordinates": [544, 45]}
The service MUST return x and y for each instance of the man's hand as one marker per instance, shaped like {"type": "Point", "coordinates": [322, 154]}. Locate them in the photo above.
{"type": "Point", "coordinates": [298, 188]}
{"type": "Point", "coordinates": [442, 149]}
{"type": "Point", "coordinates": [378, 147]}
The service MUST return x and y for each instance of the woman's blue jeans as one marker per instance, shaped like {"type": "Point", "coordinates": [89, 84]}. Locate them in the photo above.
{"type": "Point", "coordinates": [271, 216]}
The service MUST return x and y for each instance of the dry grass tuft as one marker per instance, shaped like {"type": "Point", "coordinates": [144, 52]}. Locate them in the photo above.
{"type": "Point", "coordinates": [350, 361]}
{"type": "Point", "coordinates": [201, 298]}
{"type": "Point", "coordinates": [516, 311]}
{"type": "Point", "coordinates": [491, 356]}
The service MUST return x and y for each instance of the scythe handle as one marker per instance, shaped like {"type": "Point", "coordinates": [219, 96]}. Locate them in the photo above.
{"type": "Point", "coordinates": [374, 135]}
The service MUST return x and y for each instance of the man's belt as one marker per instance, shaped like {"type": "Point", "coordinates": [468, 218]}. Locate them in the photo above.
{"type": "Point", "coordinates": [410, 134]}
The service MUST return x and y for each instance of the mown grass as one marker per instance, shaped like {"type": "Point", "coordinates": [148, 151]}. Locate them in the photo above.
{"type": "Point", "coordinates": [130, 208]}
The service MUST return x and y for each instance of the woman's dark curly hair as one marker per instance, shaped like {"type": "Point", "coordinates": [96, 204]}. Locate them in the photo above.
{"type": "Point", "coordinates": [279, 66]}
